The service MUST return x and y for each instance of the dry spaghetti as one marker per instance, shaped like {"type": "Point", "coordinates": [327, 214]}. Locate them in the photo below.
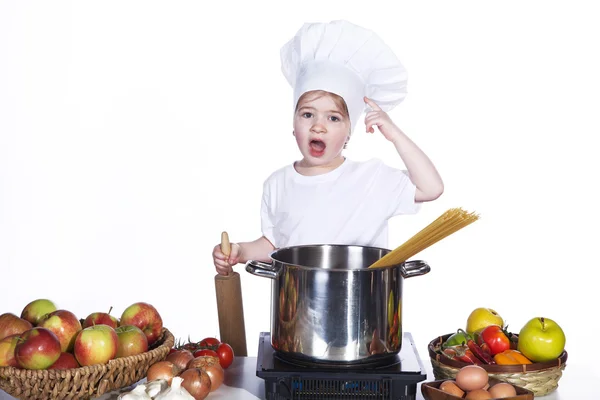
{"type": "Point", "coordinates": [445, 225]}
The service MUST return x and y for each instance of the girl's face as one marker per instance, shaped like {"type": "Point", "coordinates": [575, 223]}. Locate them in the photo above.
{"type": "Point", "coordinates": [321, 129]}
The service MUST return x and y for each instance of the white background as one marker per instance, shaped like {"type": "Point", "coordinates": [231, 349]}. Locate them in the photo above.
{"type": "Point", "coordinates": [133, 133]}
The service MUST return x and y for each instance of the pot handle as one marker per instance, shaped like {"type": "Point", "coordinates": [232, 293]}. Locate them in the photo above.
{"type": "Point", "coordinates": [261, 269]}
{"type": "Point", "coordinates": [414, 268]}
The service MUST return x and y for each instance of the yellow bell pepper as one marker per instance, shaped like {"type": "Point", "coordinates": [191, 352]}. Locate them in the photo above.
{"type": "Point", "coordinates": [511, 357]}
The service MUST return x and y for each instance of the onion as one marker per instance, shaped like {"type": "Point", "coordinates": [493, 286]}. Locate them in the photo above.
{"type": "Point", "coordinates": [162, 370]}
{"type": "Point", "coordinates": [212, 367]}
{"type": "Point", "coordinates": [180, 358]}
{"type": "Point", "coordinates": [196, 382]}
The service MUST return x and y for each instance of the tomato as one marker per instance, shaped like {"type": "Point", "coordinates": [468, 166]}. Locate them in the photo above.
{"type": "Point", "coordinates": [225, 353]}
{"type": "Point", "coordinates": [205, 352]}
{"type": "Point", "coordinates": [190, 346]}
{"type": "Point", "coordinates": [173, 350]}
{"type": "Point", "coordinates": [209, 342]}
{"type": "Point", "coordinates": [495, 338]}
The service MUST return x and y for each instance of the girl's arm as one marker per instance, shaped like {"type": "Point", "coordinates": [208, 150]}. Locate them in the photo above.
{"type": "Point", "coordinates": [421, 170]}
{"type": "Point", "coordinates": [258, 250]}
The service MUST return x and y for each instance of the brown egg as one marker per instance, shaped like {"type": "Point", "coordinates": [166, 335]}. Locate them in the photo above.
{"type": "Point", "coordinates": [452, 388]}
{"type": "Point", "coordinates": [478, 394]}
{"type": "Point", "coordinates": [502, 390]}
{"type": "Point", "coordinates": [471, 377]}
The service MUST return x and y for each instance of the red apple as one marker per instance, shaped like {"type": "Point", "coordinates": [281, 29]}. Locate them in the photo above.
{"type": "Point", "coordinates": [7, 351]}
{"type": "Point", "coordinates": [99, 318]}
{"type": "Point", "coordinates": [65, 326]}
{"type": "Point", "coordinates": [37, 348]}
{"type": "Point", "coordinates": [10, 324]}
{"type": "Point", "coordinates": [65, 361]}
{"type": "Point", "coordinates": [35, 310]}
{"type": "Point", "coordinates": [132, 341]}
{"type": "Point", "coordinates": [96, 345]}
{"type": "Point", "coordinates": [145, 317]}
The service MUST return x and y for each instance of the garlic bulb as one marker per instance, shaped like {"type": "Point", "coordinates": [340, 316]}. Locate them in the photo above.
{"type": "Point", "coordinates": [175, 392]}
{"type": "Point", "coordinates": [155, 387]}
{"type": "Point", "coordinates": [139, 393]}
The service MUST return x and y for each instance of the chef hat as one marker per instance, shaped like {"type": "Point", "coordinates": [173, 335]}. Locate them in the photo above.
{"type": "Point", "coordinates": [345, 59]}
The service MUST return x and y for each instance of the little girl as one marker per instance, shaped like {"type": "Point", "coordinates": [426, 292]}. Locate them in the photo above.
{"type": "Point", "coordinates": [337, 69]}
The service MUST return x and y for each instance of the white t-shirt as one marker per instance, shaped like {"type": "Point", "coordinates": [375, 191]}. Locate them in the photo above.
{"type": "Point", "coordinates": [350, 205]}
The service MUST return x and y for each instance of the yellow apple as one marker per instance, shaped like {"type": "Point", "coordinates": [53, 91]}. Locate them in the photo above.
{"type": "Point", "coordinates": [483, 317]}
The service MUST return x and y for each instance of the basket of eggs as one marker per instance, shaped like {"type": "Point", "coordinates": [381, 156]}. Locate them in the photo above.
{"type": "Point", "coordinates": [534, 359]}
{"type": "Point", "coordinates": [472, 382]}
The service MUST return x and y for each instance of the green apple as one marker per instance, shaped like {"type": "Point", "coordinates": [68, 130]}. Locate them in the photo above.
{"type": "Point", "coordinates": [541, 339]}
{"type": "Point", "coordinates": [37, 309]}
{"type": "Point", "coordinates": [96, 345]}
{"type": "Point", "coordinates": [481, 318]}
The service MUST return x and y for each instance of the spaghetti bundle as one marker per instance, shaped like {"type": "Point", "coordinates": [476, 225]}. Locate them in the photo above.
{"type": "Point", "coordinates": [445, 225]}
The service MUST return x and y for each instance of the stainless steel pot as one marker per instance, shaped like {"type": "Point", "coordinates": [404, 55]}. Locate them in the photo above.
{"type": "Point", "coordinates": [327, 306]}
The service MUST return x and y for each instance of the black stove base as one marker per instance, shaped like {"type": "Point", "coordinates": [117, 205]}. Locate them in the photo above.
{"type": "Point", "coordinates": [285, 381]}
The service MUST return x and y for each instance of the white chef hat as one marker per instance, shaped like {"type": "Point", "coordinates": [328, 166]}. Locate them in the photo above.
{"type": "Point", "coordinates": [345, 59]}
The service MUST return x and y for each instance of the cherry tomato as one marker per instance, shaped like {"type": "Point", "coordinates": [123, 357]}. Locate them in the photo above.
{"type": "Point", "coordinates": [206, 352]}
{"type": "Point", "coordinates": [209, 342]}
{"type": "Point", "coordinates": [225, 353]}
{"type": "Point", "coordinates": [190, 346]}
{"type": "Point", "coordinates": [173, 350]}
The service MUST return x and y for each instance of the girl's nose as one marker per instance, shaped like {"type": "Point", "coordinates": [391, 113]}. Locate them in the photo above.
{"type": "Point", "coordinates": [318, 127]}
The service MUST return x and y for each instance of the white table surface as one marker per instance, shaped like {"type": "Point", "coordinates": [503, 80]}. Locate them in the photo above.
{"type": "Point", "coordinates": [241, 382]}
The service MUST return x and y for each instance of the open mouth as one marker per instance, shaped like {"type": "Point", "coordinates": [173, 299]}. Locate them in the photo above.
{"type": "Point", "coordinates": [317, 147]}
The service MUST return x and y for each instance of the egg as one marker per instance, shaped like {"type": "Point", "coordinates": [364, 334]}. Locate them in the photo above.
{"type": "Point", "coordinates": [502, 390]}
{"type": "Point", "coordinates": [471, 377]}
{"type": "Point", "coordinates": [478, 394]}
{"type": "Point", "coordinates": [452, 388]}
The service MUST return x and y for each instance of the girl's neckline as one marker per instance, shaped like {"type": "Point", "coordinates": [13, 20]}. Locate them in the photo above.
{"type": "Point", "coordinates": [327, 176]}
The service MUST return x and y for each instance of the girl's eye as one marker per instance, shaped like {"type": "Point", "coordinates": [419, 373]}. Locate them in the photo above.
{"type": "Point", "coordinates": [307, 115]}
{"type": "Point", "coordinates": [334, 118]}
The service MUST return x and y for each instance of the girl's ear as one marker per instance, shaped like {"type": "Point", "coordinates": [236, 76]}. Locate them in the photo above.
{"type": "Point", "coordinates": [293, 133]}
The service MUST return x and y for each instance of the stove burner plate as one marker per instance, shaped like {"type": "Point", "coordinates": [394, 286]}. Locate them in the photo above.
{"type": "Point", "coordinates": [285, 380]}
{"type": "Point", "coordinates": [304, 363]}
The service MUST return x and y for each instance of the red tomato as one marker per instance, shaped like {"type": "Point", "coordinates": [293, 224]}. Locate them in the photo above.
{"type": "Point", "coordinates": [495, 338]}
{"type": "Point", "coordinates": [225, 353]}
{"type": "Point", "coordinates": [209, 342]}
{"type": "Point", "coordinates": [173, 349]}
{"type": "Point", "coordinates": [206, 352]}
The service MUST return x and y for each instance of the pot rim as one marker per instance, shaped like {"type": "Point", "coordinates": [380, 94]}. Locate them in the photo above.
{"type": "Point", "coordinates": [337, 269]}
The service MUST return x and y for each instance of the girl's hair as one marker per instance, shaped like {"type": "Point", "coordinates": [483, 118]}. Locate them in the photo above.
{"type": "Point", "coordinates": [317, 94]}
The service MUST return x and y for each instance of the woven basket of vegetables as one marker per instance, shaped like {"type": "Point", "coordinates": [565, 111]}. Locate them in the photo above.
{"type": "Point", "coordinates": [509, 366]}
{"type": "Point", "coordinates": [84, 382]}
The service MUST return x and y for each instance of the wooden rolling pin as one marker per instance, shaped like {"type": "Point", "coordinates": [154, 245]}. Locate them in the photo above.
{"type": "Point", "coordinates": [230, 307]}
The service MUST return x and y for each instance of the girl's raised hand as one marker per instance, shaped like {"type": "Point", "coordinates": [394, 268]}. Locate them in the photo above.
{"type": "Point", "coordinates": [378, 117]}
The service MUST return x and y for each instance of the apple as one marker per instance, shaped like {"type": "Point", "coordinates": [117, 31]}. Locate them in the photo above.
{"type": "Point", "coordinates": [7, 351]}
{"type": "Point", "coordinates": [65, 361]}
{"type": "Point", "coordinates": [37, 348]}
{"type": "Point", "coordinates": [96, 345]}
{"type": "Point", "coordinates": [98, 318]}
{"type": "Point", "coordinates": [541, 339]}
{"type": "Point", "coordinates": [481, 318]}
{"type": "Point", "coordinates": [10, 324]}
{"type": "Point", "coordinates": [132, 341]}
{"type": "Point", "coordinates": [145, 317]}
{"type": "Point", "coordinates": [65, 326]}
{"type": "Point", "coordinates": [35, 310]}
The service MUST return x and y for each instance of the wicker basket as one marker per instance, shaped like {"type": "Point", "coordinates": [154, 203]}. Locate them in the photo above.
{"type": "Point", "coordinates": [540, 378]}
{"type": "Point", "coordinates": [83, 382]}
